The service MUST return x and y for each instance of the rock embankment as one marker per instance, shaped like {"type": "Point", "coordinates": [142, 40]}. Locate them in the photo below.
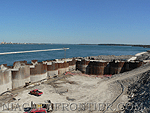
{"type": "Point", "coordinates": [139, 57]}
{"type": "Point", "coordinates": [139, 95]}
{"type": "Point", "coordinates": [145, 56]}
{"type": "Point", "coordinates": [110, 58]}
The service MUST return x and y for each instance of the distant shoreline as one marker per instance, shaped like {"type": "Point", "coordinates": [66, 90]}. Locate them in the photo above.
{"type": "Point", "coordinates": [133, 45]}
{"type": "Point", "coordinates": [144, 46]}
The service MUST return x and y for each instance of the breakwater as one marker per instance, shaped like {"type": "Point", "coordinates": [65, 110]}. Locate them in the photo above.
{"type": "Point", "coordinates": [21, 73]}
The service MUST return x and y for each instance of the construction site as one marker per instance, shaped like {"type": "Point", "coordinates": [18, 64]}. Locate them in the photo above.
{"type": "Point", "coordinates": [96, 84]}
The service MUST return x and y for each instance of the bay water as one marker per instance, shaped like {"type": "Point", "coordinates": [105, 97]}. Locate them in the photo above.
{"type": "Point", "coordinates": [74, 51]}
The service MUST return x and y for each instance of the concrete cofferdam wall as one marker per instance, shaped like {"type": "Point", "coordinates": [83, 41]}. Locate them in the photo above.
{"type": "Point", "coordinates": [5, 81]}
{"type": "Point", "coordinates": [91, 67]}
{"type": "Point", "coordinates": [72, 64]}
{"type": "Point", "coordinates": [116, 67]}
{"type": "Point", "coordinates": [38, 73]}
{"type": "Point", "coordinates": [132, 65]}
{"type": "Point", "coordinates": [100, 67]}
{"type": "Point", "coordinates": [84, 66]}
{"type": "Point", "coordinates": [60, 66]}
{"type": "Point", "coordinates": [96, 67]}
{"type": "Point", "coordinates": [63, 66]}
{"type": "Point", "coordinates": [20, 76]}
{"type": "Point", "coordinates": [15, 76]}
{"type": "Point", "coordinates": [52, 69]}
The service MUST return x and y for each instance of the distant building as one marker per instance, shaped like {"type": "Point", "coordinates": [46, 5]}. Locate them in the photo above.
{"type": "Point", "coordinates": [2, 42]}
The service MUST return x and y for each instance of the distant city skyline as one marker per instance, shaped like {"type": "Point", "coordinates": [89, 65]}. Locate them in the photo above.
{"type": "Point", "coordinates": [75, 21]}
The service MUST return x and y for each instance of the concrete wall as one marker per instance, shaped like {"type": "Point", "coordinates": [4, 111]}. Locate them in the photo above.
{"type": "Point", "coordinates": [38, 77]}
{"type": "Point", "coordinates": [100, 67]}
{"type": "Point", "coordinates": [91, 67]}
{"type": "Point", "coordinates": [21, 72]}
{"type": "Point", "coordinates": [5, 81]}
{"type": "Point", "coordinates": [18, 64]}
{"type": "Point", "coordinates": [52, 69]}
{"type": "Point", "coordinates": [78, 64]}
{"type": "Point", "coordinates": [38, 73]}
{"type": "Point", "coordinates": [96, 67]}
{"type": "Point", "coordinates": [72, 67]}
{"type": "Point", "coordinates": [84, 64]}
{"type": "Point", "coordinates": [15, 76]}
{"type": "Point", "coordinates": [61, 68]}
{"type": "Point", "coordinates": [116, 67]}
{"type": "Point", "coordinates": [20, 76]}
{"type": "Point", "coordinates": [71, 63]}
{"type": "Point", "coordinates": [65, 65]}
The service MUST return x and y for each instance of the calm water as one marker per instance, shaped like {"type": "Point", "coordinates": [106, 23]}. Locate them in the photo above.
{"type": "Point", "coordinates": [74, 51]}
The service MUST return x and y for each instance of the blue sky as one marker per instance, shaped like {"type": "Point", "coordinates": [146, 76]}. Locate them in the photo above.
{"type": "Point", "coordinates": [75, 21]}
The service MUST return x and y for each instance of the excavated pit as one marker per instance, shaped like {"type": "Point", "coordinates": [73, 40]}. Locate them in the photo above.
{"type": "Point", "coordinates": [131, 79]}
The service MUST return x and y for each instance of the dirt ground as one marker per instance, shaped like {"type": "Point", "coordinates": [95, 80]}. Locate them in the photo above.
{"type": "Point", "coordinates": [76, 93]}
